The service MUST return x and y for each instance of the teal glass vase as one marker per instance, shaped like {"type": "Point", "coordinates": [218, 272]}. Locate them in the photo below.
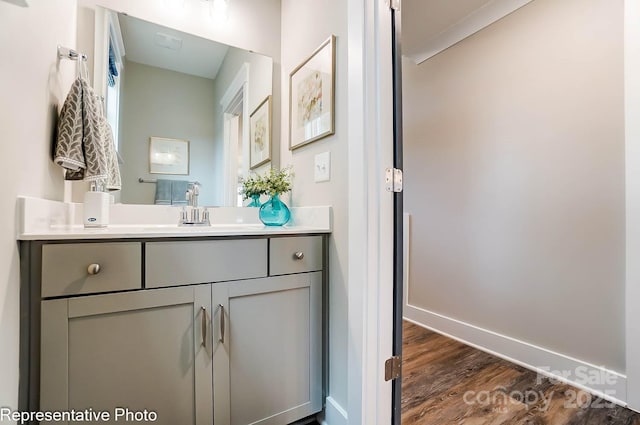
{"type": "Point", "coordinates": [274, 212]}
{"type": "Point", "coordinates": [255, 201]}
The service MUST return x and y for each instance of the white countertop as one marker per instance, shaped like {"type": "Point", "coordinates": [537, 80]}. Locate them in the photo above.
{"type": "Point", "coordinates": [52, 220]}
{"type": "Point", "coordinates": [166, 231]}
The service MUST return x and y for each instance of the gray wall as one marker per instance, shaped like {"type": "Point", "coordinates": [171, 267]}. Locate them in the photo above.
{"type": "Point", "coordinates": [33, 86]}
{"type": "Point", "coordinates": [514, 176]}
{"type": "Point", "coordinates": [304, 27]}
{"type": "Point", "coordinates": [161, 103]}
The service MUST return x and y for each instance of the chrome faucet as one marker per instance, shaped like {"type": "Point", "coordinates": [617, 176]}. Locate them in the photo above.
{"type": "Point", "coordinates": [192, 214]}
{"type": "Point", "coordinates": [192, 195]}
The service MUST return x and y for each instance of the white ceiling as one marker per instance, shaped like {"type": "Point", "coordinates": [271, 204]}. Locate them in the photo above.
{"type": "Point", "coordinates": [196, 56]}
{"type": "Point", "coordinates": [430, 26]}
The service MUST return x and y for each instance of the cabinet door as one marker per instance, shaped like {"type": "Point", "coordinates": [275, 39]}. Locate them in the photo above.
{"type": "Point", "coordinates": [144, 350]}
{"type": "Point", "coordinates": [267, 350]}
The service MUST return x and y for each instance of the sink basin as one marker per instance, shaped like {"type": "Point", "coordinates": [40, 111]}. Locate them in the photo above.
{"type": "Point", "coordinates": [174, 228]}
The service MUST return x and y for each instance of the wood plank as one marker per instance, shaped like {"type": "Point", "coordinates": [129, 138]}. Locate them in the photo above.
{"type": "Point", "coordinates": [446, 382]}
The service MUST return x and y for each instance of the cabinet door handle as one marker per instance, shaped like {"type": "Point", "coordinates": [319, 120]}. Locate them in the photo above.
{"type": "Point", "coordinates": [221, 339]}
{"type": "Point", "coordinates": [93, 269]}
{"type": "Point", "coordinates": [204, 326]}
{"type": "Point", "coordinates": [298, 255]}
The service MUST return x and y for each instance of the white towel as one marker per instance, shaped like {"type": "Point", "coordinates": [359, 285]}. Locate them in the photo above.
{"type": "Point", "coordinates": [84, 144]}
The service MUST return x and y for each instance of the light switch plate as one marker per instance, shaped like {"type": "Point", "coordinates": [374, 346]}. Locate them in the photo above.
{"type": "Point", "coordinates": [322, 167]}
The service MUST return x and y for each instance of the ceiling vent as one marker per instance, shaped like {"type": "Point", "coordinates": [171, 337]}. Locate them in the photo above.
{"type": "Point", "coordinates": [167, 41]}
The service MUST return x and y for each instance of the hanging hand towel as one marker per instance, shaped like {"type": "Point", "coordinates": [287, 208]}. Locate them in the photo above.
{"type": "Point", "coordinates": [163, 192]}
{"type": "Point", "coordinates": [95, 154]}
{"type": "Point", "coordinates": [113, 167]}
{"type": "Point", "coordinates": [179, 192]}
{"type": "Point", "coordinates": [85, 143]}
{"type": "Point", "coordinates": [69, 153]}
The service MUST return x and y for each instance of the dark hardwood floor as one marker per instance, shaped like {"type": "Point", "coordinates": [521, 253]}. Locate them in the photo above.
{"type": "Point", "coordinates": [446, 382]}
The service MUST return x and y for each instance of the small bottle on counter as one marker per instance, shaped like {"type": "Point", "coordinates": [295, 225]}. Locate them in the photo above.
{"type": "Point", "coordinates": [96, 207]}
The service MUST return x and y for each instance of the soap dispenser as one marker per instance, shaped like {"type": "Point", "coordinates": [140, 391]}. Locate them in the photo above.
{"type": "Point", "coordinates": [96, 207]}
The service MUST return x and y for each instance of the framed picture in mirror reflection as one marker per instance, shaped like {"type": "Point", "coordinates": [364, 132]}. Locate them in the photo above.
{"type": "Point", "coordinates": [311, 96]}
{"type": "Point", "coordinates": [260, 134]}
{"type": "Point", "coordinates": [168, 156]}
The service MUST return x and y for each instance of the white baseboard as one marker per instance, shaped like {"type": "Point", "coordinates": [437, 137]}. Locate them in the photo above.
{"type": "Point", "coordinates": [334, 414]}
{"type": "Point", "coordinates": [612, 385]}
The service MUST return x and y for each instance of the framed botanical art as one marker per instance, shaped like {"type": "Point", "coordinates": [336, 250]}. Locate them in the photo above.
{"type": "Point", "coordinates": [260, 134]}
{"type": "Point", "coordinates": [311, 96]}
{"type": "Point", "coordinates": [168, 156]}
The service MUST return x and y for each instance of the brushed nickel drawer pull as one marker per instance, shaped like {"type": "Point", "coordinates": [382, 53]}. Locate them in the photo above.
{"type": "Point", "coordinates": [221, 339]}
{"type": "Point", "coordinates": [204, 326]}
{"type": "Point", "coordinates": [298, 255]}
{"type": "Point", "coordinates": [93, 269]}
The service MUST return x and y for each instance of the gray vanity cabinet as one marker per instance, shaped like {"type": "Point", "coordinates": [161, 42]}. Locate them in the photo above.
{"type": "Point", "coordinates": [218, 331]}
{"type": "Point", "coordinates": [137, 350]}
{"type": "Point", "coordinates": [267, 349]}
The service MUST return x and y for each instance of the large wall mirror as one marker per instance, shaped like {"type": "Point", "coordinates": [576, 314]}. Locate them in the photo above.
{"type": "Point", "coordinates": [173, 97]}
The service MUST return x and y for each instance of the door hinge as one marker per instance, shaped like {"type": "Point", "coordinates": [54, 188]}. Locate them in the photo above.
{"type": "Point", "coordinates": [393, 180]}
{"type": "Point", "coordinates": [392, 368]}
{"type": "Point", "coordinates": [393, 4]}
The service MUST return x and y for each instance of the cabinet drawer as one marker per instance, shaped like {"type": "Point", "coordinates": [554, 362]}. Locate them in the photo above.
{"type": "Point", "coordinates": [65, 268]}
{"type": "Point", "coordinates": [180, 263]}
{"type": "Point", "coordinates": [285, 253]}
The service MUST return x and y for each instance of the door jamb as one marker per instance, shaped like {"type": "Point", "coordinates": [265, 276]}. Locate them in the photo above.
{"type": "Point", "coordinates": [632, 198]}
{"type": "Point", "coordinates": [370, 272]}
{"type": "Point", "coordinates": [237, 92]}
